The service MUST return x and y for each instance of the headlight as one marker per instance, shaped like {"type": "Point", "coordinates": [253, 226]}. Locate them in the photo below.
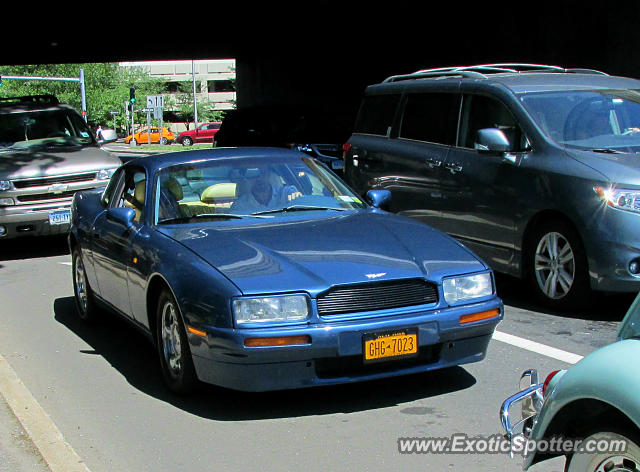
{"type": "Point", "coordinates": [464, 289]}
{"type": "Point", "coordinates": [271, 309]}
{"type": "Point", "coordinates": [6, 202]}
{"type": "Point", "coordinates": [105, 174]}
{"type": "Point", "coordinates": [5, 185]}
{"type": "Point", "coordinates": [623, 199]}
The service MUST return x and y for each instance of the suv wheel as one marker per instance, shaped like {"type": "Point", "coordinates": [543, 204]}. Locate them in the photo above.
{"type": "Point", "coordinates": [557, 265]}
{"type": "Point", "coordinates": [187, 141]}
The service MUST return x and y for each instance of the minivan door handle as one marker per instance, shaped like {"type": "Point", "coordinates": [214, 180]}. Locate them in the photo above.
{"type": "Point", "coordinates": [454, 167]}
{"type": "Point", "coordinates": [432, 162]}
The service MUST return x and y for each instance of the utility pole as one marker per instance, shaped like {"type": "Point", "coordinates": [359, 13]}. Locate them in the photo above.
{"type": "Point", "coordinates": [195, 97]}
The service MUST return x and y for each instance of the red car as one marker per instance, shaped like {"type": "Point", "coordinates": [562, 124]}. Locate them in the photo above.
{"type": "Point", "coordinates": [202, 134]}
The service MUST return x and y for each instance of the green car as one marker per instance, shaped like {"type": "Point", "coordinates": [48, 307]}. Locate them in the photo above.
{"type": "Point", "coordinates": [589, 413]}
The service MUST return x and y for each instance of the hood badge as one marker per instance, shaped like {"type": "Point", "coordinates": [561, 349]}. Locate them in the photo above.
{"type": "Point", "coordinates": [58, 188]}
{"type": "Point", "coordinates": [375, 276]}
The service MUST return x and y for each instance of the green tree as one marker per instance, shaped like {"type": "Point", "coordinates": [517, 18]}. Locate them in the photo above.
{"type": "Point", "coordinates": [106, 86]}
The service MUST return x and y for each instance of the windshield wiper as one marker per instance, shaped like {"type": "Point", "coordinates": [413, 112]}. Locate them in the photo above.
{"type": "Point", "coordinates": [186, 219]}
{"type": "Point", "coordinates": [607, 151]}
{"type": "Point", "coordinates": [296, 208]}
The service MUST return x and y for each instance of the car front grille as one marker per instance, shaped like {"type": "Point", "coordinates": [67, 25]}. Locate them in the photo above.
{"type": "Point", "coordinates": [60, 179]}
{"type": "Point", "coordinates": [38, 197]}
{"type": "Point", "coordinates": [376, 296]}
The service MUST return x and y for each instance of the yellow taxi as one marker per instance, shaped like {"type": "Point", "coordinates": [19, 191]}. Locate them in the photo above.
{"type": "Point", "coordinates": [142, 136]}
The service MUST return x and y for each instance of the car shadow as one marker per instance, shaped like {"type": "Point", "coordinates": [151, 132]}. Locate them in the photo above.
{"type": "Point", "coordinates": [599, 306]}
{"type": "Point", "coordinates": [32, 247]}
{"type": "Point", "coordinates": [131, 353]}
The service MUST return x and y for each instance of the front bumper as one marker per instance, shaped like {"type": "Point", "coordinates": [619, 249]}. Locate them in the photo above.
{"type": "Point", "coordinates": [335, 354]}
{"type": "Point", "coordinates": [18, 221]}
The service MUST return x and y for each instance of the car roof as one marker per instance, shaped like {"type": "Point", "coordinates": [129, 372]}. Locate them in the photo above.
{"type": "Point", "coordinates": [517, 77]}
{"type": "Point", "coordinates": [160, 161]}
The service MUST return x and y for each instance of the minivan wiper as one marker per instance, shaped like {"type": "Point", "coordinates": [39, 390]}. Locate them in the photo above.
{"type": "Point", "coordinates": [607, 151]}
{"type": "Point", "coordinates": [296, 208]}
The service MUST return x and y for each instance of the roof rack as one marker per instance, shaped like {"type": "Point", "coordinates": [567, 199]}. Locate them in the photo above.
{"type": "Point", "coordinates": [29, 100]}
{"type": "Point", "coordinates": [480, 71]}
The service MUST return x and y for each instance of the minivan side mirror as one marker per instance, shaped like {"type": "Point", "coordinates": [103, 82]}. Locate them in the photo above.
{"type": "Point", "coordinates": [379, 199]}
{"type": "Point", "coordinates": [492, 140]}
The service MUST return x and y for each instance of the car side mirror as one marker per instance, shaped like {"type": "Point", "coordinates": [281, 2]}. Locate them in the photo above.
{"type": "Point", "coordinates": [122, 216]}
{"type": "Point", "coordinates": [108, 136]}
{"type": "Point", "coordinates": [492, 140]}
{"type": "Point", "coordinates": [379, 199]}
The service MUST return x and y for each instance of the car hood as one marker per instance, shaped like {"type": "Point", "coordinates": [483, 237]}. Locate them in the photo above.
{"type": "Point", "coordinates": [291, 254]}
{"type": "Point", "coordinates": [42, 163]}
{"type": "Point", "coordinates": [617, 168]}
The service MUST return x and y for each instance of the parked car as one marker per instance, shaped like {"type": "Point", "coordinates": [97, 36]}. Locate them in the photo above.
{"type": "Point", "coordinates": [594, 401]}
{"type": "Point", "coordinates": [142, 136]}
{"type": "Point", "coordinates": [202, 134]}
{"type": "Point", "coordinates": [47, 154]}
{"type": "Point", "coordinates": [311, 286]}
{"type": "Point", "coordinates": [302, 128]}
{"type": "Point", "coordinates": [533, 167]}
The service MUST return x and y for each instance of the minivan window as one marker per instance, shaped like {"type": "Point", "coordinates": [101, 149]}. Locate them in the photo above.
{"type": "Point", "coordinates": [588, 119]}
{"type": "Point", "coordinates": [481, 112]}
{"type": "Point", "coordinates": [376, 114]}
{"type": "Point", "coordinates": [431, 117]}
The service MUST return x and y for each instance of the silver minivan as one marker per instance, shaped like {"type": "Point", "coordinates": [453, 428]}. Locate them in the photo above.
{"type": "Point", "coordinates": [535, 168]}
{"type": "Point", "coordinates": [47, 154]}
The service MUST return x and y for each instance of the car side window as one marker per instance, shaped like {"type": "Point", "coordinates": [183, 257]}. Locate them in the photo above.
{"type": "Point", "coordinates": [377, 114]}
{"type": "Point", "coordinates": [111, 188]}
{"type": "Point", "coordinates": [131, 193]}
{"type": "Point", "coordinates": [431, 117]}
{"type": "Point", "coordinates": [480, 112]}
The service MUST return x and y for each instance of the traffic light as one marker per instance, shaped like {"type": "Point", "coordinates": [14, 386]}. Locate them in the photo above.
{"type": "Point", "coordinates": [132, 95]}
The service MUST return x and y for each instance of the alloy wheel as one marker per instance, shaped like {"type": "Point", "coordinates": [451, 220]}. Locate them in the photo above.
{"type": "Point", "coordinates": [555, 265]}
{"type": "Point", "coordinates": [81, 287]}
{"type": "Point", "coordinates": [171, 342]}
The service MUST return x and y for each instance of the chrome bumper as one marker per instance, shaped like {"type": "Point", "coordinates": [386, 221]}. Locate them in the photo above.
{"type": "Point", "coordinates": [530, 398]}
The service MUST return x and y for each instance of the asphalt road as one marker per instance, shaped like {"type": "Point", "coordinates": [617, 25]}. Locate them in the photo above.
{"type": "Point", "coordinates": [101, 387]}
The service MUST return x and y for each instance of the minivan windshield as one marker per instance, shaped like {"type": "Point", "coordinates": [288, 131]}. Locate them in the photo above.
{"type": "Point", "coordinates": [601, 120]}
{"type": "Point", "coordinates": [223, 189]}
{"type": "Point", "coordinates": [34, 130]}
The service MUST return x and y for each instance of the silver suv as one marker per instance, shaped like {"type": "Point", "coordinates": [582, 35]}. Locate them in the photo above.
{"type": "Point", "coordinates": [47, 153]}
{"type": "Point", "coordinates": [535, 168]}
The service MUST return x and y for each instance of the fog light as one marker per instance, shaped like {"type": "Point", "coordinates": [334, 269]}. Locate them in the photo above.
{"type": "Point", "coordinates": [634, 267]}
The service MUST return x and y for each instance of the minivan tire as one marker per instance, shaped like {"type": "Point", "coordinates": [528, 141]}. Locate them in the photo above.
{"type": "Point", "coordinates": [556, 265]}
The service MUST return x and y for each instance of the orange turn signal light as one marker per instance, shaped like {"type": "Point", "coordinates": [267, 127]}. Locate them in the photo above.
{"type": "Point", "coordinates": [197, 332]}
{"type": "Point", "coordinates": [483, 315]}
{"type": "Point", "coordinates": [278, 341]}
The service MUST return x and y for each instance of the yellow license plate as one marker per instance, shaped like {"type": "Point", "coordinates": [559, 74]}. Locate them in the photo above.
{"type": "Point", "coordinates": [381, 346]}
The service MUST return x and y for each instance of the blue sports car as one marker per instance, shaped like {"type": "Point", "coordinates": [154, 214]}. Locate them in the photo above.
{"type": "Point", "coordinates": [258, 269]}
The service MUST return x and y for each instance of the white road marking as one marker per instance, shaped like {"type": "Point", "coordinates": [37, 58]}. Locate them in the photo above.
{"type": "Point", "coordinates": [57, 453]}
{"type": "Point", "coordinates": [559, 354]}
{"type": "Point", "coordinates": [65, 263]}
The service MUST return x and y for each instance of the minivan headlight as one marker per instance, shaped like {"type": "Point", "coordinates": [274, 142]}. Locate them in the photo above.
{"type": "Point", "coordinates": [623, 199]}
{"type": "Point", "coordinates": [5, 185]}
{"type": "Point", "coordinates": [286, 308]}
{"type": "Point", "coordinates": [467, 288]}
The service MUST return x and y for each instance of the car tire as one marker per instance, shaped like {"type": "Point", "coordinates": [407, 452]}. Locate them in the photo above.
{"type": "Point", "coordinates": [163, 141]}
{"type": "Point", "coordinates": [173, 346]}
{"type": "Point", "coordinates": [556, 265]}
{"type": "Point", "coordinates": [605, 461]}
{"type": "Point", "coordinates": [85, 302]}
{"type": "Point", "coordinates": [186, 141]}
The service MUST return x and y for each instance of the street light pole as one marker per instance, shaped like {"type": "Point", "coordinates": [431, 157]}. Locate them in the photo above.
{"type": "Point", "coordinates": [195, 98]}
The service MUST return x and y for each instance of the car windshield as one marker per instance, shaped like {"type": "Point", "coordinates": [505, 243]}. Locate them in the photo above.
{"type": "Point", "coordinates": [630, 326]}
{"type": "Point", "coordinates": [601, 120]}
{"type": "Point", "coordinates": [37, 129]}
{"type": "Point", "coordinates": [248, 188]}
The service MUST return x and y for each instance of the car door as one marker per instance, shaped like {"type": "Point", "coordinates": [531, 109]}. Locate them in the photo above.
{"type": "Point", "coordinates": [426, 132]}
{"type": "Point", "coordinates": [113, 243]}
{"type": "Point", "coordinates": [201, 134]}
{"type": "Point", "coordinates": [482, 200]}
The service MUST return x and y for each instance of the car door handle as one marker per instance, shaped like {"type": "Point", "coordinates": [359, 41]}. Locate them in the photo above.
{"type": "Point", "coordinates": [454, 167]}
{"type": "Point", "coordinates": [432, 162]}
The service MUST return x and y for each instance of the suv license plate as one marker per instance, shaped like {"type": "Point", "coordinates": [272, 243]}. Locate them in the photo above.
{"type": "Point", "coordinates": [393, 344]}
{"type": "Point", "coordinates": [337, 165]}
{"type": "Point", "coordinates": [59, 217]}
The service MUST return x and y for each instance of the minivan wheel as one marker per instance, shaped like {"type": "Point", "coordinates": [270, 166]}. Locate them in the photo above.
{"type": "Point", "coordinates": [557, 265]}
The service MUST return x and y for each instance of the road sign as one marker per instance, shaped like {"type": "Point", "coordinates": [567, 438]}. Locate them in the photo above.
{"type": "Point", "coordinates": [154, 101]}
{"type": "Point", "coordinates": [157, 113]}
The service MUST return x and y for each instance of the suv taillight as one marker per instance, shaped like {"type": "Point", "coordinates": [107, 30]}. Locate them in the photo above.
{"type": "Point", "coordinates": [547, 380]}
{"type": "Point", "coordinates": [346, 147]}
